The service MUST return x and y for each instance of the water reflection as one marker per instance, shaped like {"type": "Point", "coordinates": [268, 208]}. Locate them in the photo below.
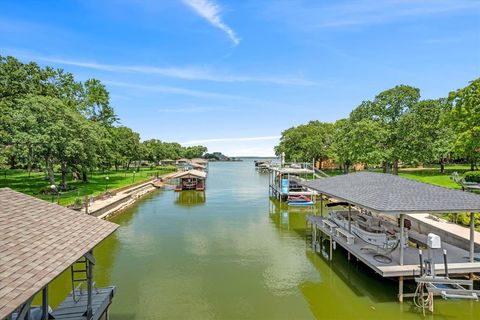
{"type": "Point", "coordinates": [290, 218]}
{"type": "Point", "coordinates": [190, 198]}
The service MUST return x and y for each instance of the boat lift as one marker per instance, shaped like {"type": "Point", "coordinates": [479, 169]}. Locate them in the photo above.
{"type": "Point", "coordinates": [429, 284]}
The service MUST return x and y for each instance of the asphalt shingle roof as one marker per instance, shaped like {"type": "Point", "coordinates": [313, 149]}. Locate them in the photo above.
{"type": "Point", "coordinates": [393, 194]}
{"type": "Point", "coordinates": [38, 241]}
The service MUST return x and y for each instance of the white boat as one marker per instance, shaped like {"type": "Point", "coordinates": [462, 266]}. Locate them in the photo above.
{"type": "Point", "coordinates": [372, 230]}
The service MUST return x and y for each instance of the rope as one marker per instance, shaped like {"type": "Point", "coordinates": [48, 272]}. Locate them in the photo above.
{"type": "Point", "coordinates": [419, 297]}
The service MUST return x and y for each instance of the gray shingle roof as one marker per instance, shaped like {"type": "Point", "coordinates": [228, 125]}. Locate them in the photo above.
{"type": "Point", "coordinates": [38, 241]}
{"type": "Point", "coordinates": [393, 194]}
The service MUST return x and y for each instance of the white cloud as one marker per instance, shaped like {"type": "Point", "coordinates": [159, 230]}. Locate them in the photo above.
{"type": "Point", "coordinates": [338, 14]}
{"type": "Point", "coordinates": [177, 91]}
{"type": "Point", "coordinates": [187, 110]}
{"type": "Point", "coordinates": [231, 139]}
{"type": "Point", "coordinates": [186, 73]}
{"type": "Point", "coordinates": [210, 11]}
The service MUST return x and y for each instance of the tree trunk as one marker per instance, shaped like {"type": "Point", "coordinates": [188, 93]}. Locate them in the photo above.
{"type": "Point", "coordinates": [51, 175]}
{"type": "Point", "coordinates": [384, 167]}
{"type": "Point", "coordinates": [63, 183]}
{"type": "Point", "coordinates": [128, 165]}
{"type": "Point", "coordinates": [84, 176]}
{"type": "Point", "coordinates": [472, 166]}
{"type": "Point", "coordinates": [395, 167]}
{"type": "Point", "coordinates": [346, 166]}
{"type": "Point", "coordinates": [442, 166]}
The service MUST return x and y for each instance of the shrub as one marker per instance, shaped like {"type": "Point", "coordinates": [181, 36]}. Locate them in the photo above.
{"type": "Point", "coordinates": [78, 202]}
{"type": "Point", "coordinates": [472, 176]}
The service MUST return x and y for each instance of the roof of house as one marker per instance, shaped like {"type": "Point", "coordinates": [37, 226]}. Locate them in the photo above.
{"type": "Point", "coordinates": [194, 173]}
{"type": "Point", "coordinates": [200, 160]}
{"type": "Point", "coordinates": [40, 240]}
{"type": "Point", "coordinates": [393, 194]}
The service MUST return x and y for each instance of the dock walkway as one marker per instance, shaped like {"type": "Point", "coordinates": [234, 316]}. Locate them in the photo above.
{"type": "Point", "coordinates": [446, 226]}
{"type": "Point", "coordinates": [75, 310]}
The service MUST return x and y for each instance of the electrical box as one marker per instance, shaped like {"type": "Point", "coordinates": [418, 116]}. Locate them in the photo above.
{"type": "Point", "coordinates": [433, 241]}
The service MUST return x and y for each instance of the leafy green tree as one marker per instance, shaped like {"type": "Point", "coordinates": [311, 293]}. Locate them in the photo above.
{"type": "Point", "coordinates": [125, 146]}
{"type": "Point", "coordinates": [387, 109]}
{"type": "Point", "coordinates": [425, 139]}
{"type": "Point", "coordinates": [194, 152]}
{"type": "Point", "coordinates": [358, 142]}
{"type": "Point", "coordinates": [464, 120]}
{"type": "Point", "coordinates": [306, 142]}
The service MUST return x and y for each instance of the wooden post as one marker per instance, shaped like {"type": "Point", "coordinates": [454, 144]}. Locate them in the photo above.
{"type": "Point", "coordinates": [90, 262]}
{"type": "Point", "coordinates": [400, 289]}
{"type": "Point", "coordinates": [331, 249]}
{"type": "Point", "coordinates": [472, 236]}
{"type": "Point", "coordinates": [349, 218]}
{"type": "Point", "coordinates": [321, 205]}
{"type": "Point", "coordinates": [402, 224]}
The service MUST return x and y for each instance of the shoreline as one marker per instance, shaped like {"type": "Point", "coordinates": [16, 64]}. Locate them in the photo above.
{"type": "Point", "coordinates": [123, 198]}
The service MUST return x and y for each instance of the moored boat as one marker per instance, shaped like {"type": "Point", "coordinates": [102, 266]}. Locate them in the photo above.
{"type": "Point", "coordinates": [372, 230]}
{"type": "Point", "coordinates": [300, 201]}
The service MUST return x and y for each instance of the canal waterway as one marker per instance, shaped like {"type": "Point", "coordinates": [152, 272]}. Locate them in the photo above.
{"type": "Point", "coordinates": [232, 253]}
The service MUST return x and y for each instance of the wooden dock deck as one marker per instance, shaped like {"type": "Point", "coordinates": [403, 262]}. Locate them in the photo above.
{"type": "Point", "coordinates": [458, 259]}
{"type": "Point", "coordinates": [71, 310]}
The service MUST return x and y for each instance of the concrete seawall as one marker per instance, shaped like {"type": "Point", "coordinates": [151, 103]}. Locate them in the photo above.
{"type": "Point", "coordinates": [104, 208]}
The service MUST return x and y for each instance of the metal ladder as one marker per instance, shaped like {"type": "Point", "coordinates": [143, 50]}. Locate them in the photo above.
{"type": "Point", "coordinates": [79, 277]}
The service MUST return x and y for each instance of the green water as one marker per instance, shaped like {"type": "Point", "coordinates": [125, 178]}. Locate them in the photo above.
{"type": "Point", "coordinates": [234, 254]}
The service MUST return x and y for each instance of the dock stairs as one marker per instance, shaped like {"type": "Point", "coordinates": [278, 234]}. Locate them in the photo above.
{"type": "Point", "coordinates": [319, 174]}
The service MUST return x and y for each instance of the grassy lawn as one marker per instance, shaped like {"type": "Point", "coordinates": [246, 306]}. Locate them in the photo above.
{"type": "Point", "coordinates": [37, 186]}
{"type": "Point", "coordinates": [432, 175]}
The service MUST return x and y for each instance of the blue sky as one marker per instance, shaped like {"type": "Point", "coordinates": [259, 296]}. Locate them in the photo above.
{"type": "Point", "coordinates": [232, 75]}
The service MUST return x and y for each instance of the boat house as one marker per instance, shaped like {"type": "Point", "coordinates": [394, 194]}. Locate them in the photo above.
{"type": "Point", "coordinates": [190, 180]}
{"type": "Point", "coordinates": [39, 241]}
{"type": "Point", "coordinates": [398, 198]}
{"type": "Point", "coordinates": [285, 183]}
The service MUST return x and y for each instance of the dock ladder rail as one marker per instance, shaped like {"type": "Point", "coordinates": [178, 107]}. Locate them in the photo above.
{"type": "Point", "coordinates": [79, 272]}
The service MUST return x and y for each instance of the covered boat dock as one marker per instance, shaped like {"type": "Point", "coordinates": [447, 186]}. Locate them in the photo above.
{"type": "Point", "coordinates": [190, 180]}
{"type": "Point", "coordinates": [394, 196]}
{"type": "Point", "coordinates": [39, 241]}
{"type": "Point", "coordinates": [284, 182]}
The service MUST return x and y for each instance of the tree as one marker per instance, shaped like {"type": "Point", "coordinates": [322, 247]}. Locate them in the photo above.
{"type": "Point", "coordinates": [125, 146]}
{"type": "Point", "coordinates": [464, 120]}
{"type": "Point", "coordinates": [358, 142]}
{"type": "Point", "coordinates": [306, 142]}
{"type": "Point", "coordinates": [387, 109]}
{"type": "Point", "coordinates": [194, 152]}
{"type": "Point", "coordinates": [425, 139]}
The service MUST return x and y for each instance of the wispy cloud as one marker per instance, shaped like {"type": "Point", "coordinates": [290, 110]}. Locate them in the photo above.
{"type": "Point", "coordinates": [187, 73]}
{"type": "Point", "coordinates": [210, 11]}
{"type": "Point", "coordinates": [231, 139]}
{"type": "Point", "coordinates": [337, 14]}
{"type": "Point", "coordinates": [177, 91]}
{"type": "Point", "coordinates": [187, 110]}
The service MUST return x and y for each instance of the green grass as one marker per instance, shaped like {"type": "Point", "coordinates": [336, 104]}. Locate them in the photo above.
{"type": "Point", "coordinates": [432, 175]}
{"type": "Point", "coordinates": [37, 186]}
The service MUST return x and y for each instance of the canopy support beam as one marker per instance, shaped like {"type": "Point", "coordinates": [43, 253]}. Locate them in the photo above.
{"type": "Point", "coordinates": [472, 236]}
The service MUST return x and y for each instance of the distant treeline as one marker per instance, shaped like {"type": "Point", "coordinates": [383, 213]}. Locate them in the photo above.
{"type": "Point", "coordinates": [396, 127]}
{"type": "Point", "coordinates": [50, 120]}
